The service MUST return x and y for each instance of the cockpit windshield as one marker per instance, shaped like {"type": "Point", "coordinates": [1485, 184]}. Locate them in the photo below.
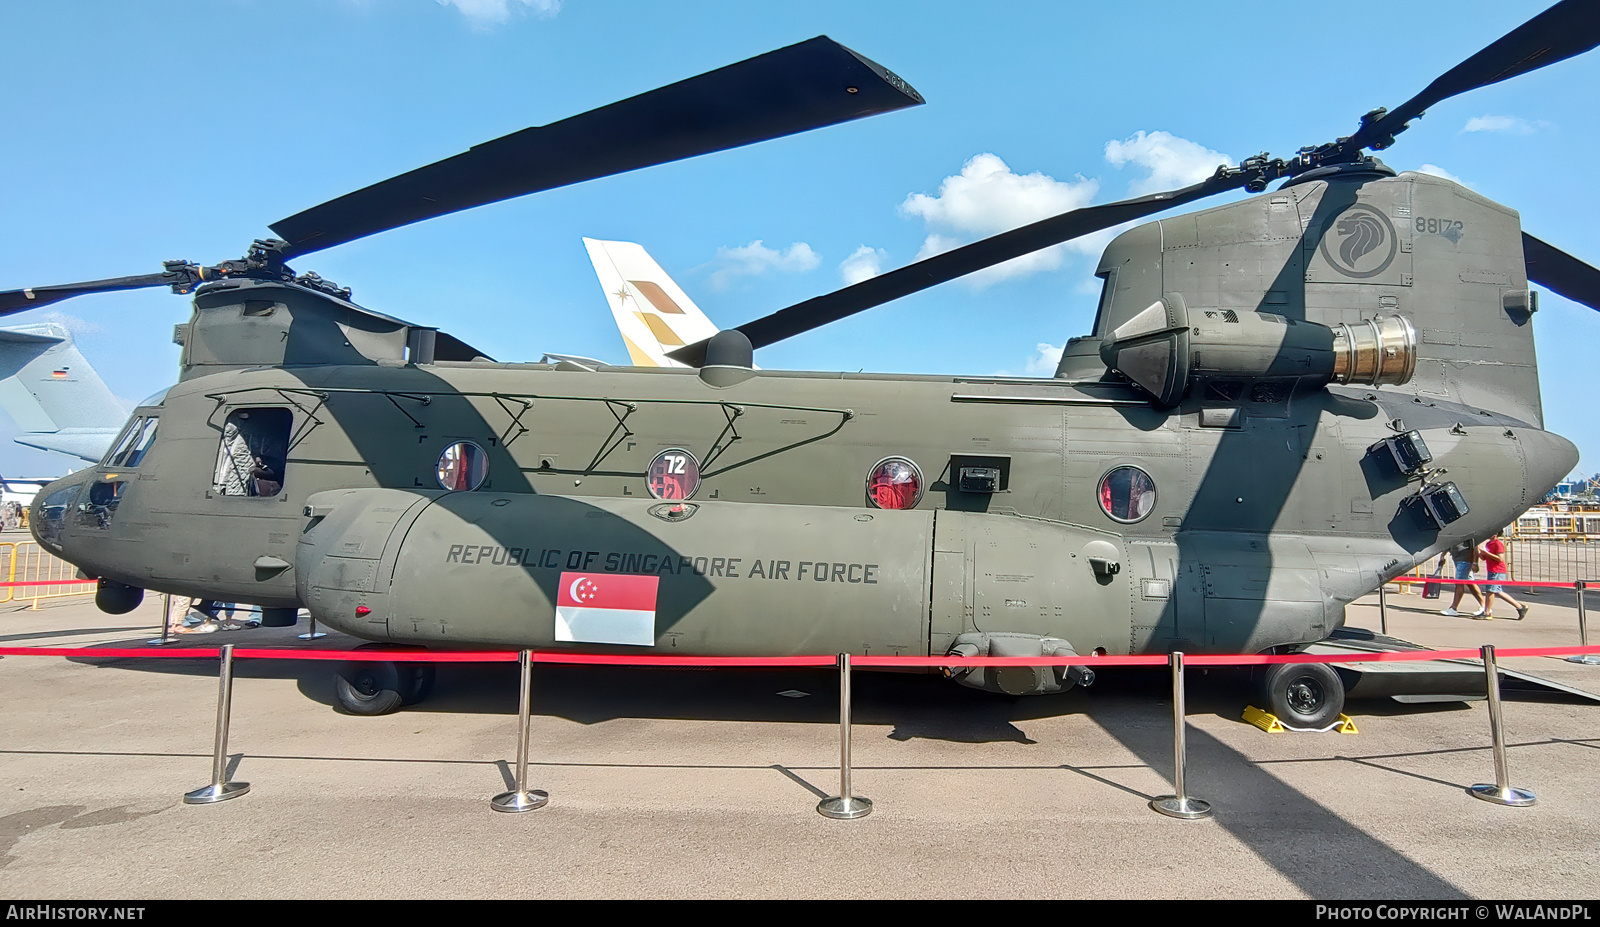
{"type": "Point", "coordinates": [131, 447]}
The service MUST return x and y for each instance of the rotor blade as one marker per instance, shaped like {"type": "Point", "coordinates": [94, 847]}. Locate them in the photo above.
{"type": "Point", "coordinates": [903, 281]}
{"type": "Point", "coordinates": [1560, 272]}
{"type": "Point", "coordinates": [34, 297]}
{"type": "Point", "coordinates": [806, 86]}
{"type": "Point", "coordinates": [1569, 28]}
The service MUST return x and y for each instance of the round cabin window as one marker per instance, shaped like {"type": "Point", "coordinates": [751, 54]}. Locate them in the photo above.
{"type": "Point", "coordinates": [463, 466]}
{"type": "Point", "coordinates": [894, 483]}
{"type": "Point", "coordinates": [673, 475]}
{"type": "Point", "coordinates": [1127, 494]}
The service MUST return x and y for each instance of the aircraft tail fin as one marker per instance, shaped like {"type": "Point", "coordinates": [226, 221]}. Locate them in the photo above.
{"type": "Point", "coordinates": [53, 394]}
{"type": "Point", "coordinates": [653, 314]}
{"type": "Point", "coordinates": [88, 444]}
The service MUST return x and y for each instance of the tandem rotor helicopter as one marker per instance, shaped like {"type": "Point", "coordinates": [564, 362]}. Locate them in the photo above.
{"type": "Point", "coordinates": [1284, 402]}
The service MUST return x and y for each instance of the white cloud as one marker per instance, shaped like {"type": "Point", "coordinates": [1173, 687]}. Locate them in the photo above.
{"type": "Point", "coordinates": [1045, 359]}
{"type": "Point", "coordinates": [987, 198]}
{"type": "Point", "coordinates": [1171, 161]}
{"type": "Point", "coordinates": [1438, 171]}
{"type": "Point", "coordinates": [1507, 124]}
{"type": "Point", "coordinates": [1043, 363]}
{"type": "Point", "coordinates": [864, 263]}
{"type": "Point", "coordinates": [756, 258]}
{"type": "Point", "coordinates": [486, 14]}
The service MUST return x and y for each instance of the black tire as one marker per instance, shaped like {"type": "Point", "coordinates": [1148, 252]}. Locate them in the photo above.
{"type": "Point", "coordinates": [1307, 695]}
{"type": "Point", "coordinates": [416, 682]}
{"type": "Point", "coordinates": [369, 687]}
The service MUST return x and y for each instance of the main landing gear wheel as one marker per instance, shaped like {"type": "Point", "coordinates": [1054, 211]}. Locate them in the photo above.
{"type": "Point", "coordinates": [416, 681]}
{"type": "Point", "coordinates": [1306, 695]}
{"type": "Point", "coordinates": [378, 687]}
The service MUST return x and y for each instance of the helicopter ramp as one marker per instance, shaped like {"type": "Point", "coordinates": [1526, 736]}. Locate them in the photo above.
{"type": "Point", "coordinates": [1425, 681]}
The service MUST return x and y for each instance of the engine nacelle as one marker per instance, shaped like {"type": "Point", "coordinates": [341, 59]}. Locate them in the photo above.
{"type": "Point", "coordinates": [1166, 350]}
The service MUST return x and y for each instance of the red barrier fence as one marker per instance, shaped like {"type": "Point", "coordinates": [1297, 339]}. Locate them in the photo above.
{"type": "Point", "coordinates": [594, 659]}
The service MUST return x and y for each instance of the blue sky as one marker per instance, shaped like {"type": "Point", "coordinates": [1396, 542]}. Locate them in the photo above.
{"type": "Point", "coordinates": [144, 131]}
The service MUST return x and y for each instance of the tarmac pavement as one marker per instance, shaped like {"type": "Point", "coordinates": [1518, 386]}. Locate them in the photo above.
{"type": "Point", "coordinates": [703, 784]}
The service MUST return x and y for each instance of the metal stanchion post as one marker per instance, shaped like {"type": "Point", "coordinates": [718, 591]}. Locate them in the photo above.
{"type": "Point", "coordinates": [312, 633]}
{"type": "Point", "coordinates": [844, 806]}
{"type": "Point", "coordinates": [1501, 793]}
{"type": "Point", "coordinates": [1179, 805]}
{"type": "Point", "coordinates": [220, 790]}
{"type": "Point", "coordinates": [1583, 629]}
{"type": "Point", "coordinates": [522, 798]}
{"type": "Point", "coordinates": [166, 618]}
{"type": "Point", "coordinates": [1383, 608]}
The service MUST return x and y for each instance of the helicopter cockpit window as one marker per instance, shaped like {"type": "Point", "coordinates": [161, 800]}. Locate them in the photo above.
{"type": "Point", "coordinates": [254, 452]}
{"type": "Point", "coordinates": [134, 444]}
{"type": "Point", "coordinates": [1127, 494]}
{"type": "Point", "coordinates": [120, 445]}
{"type": "Point", "coordinates": [51, 514]}
{"type": "Point", "coordinates": [99, 504]}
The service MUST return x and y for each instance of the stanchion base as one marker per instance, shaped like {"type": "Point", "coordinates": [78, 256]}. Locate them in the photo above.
{"type": "Point", "coordinates": [1516, 798]}
{"type": "Point", "coordinates": [1186, 808]}
{"type": "Point", "coordinates": [158, 641]}
{"type": "Point", "coordinates": [215, 793]}
{"type": "Point", "coordinates": [1588, 659]}
{"type": "Point", "coordinates": [311, 635]}
{"type": "Point", "coordinates": [845, 809]}
{"type": "Point", "coordinates": [519, 801]}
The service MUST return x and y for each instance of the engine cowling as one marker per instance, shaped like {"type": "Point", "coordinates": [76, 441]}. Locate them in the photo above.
{"type": "Point", "coordinates": [1167, 350]}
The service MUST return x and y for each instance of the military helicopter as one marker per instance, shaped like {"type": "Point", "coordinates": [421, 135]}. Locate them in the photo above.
{"type": "Point", "coordinates": [1284, 402]}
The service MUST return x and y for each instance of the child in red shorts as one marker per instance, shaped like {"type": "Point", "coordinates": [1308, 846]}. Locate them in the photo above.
{"type": "Point", "coordinates": [1493, 552]}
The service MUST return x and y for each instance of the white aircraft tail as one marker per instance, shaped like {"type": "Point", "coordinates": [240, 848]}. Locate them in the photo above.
{"type": "Point", "coordinates": [653, 313]}
{"type": "Point", "coordinates": [52, 393]}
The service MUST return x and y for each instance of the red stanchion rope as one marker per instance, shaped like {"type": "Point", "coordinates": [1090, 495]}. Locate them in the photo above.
{"type": "Point", "coordinates": [1482, 582]}
{"type": "Point", "coordinates": [51, 582]}
{"type": "Point", "coordinates": [188, 653]}
{"type": "Point", "coordinates": [590, 659]}
{"type": "Point", "coordinates": [403, 656]}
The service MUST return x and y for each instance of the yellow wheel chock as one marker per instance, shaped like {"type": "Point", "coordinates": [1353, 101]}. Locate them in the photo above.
{"type": "Point", "coordinates": [1269, 722]}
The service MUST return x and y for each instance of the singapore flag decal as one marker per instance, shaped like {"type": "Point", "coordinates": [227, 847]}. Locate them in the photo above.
{"type": "Point", "coordinates": [607, 608]}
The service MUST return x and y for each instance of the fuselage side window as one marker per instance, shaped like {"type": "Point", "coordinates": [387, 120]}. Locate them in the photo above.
{"type": "Point", "coordinates": [254, 452]}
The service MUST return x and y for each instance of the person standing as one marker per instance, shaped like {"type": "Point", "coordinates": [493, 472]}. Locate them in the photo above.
{"type": "Point", "coordinates": [1493, 552]}
{"type": "Point", "coordinates": [1465, 555]}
